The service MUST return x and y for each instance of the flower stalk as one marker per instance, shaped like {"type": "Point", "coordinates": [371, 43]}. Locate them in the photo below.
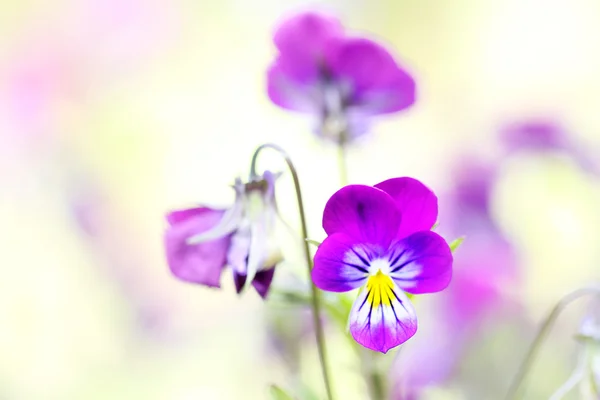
{"type": "Point", "coordinates": [315, 295]}
{"type": "Point", "coordinates": [342, 158]}
{"type": "Point", "coordinates": [514, 389]}
{"type": "Point", "coordinates": [375, 381]}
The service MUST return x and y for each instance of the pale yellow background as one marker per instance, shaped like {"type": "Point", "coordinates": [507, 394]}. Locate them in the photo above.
{"type": "Point", "coordinates": [163, 109]}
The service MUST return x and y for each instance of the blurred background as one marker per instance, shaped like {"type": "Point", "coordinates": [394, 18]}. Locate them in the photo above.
{"type": "Point", "coordinates": [114, 112]}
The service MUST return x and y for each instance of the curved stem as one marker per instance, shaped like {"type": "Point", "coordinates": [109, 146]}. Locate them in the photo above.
{"type": "Point", "coordinates": [316, 302]}
{"type": "Point", "coordinates": [544, 330]}
{"type": "Point", "coordinates": [574, 379]}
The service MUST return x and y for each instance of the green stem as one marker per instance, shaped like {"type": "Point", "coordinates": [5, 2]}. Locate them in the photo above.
{"type": "Point", "coordinates": [315, 295]}
{"type": "Point", "coordinates": [342, 161]}
{"type": "Point", "coordinates": [547, 325]}
{"type": "Point", "coordinates": [375, 382]}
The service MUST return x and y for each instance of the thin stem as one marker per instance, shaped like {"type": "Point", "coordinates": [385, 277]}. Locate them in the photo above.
{"type": "Point", "coordinates": [574, 379]}
{"type": "Point", "coordinates": [374, 379]}
{"type": "Point", "coordinates": [544, 330]}
{"type": "Point", "coordinates": [315, 295]}
{"type": "Point", "coordinates": [343, 161]}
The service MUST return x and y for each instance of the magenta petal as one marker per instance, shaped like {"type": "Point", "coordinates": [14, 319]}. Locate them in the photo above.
{"type": "Point", "coordinates": [178, 216]}
{"type": "Point", "coordinates": [384, 325]}
{"type": "Point", "coordinates": [262, 281]}
{"type": "Point", "coordinates": [301, 41]}
{"type": "Point", "coordinates": [341, 264]}
{"type": "Point", "coordinates": [288, 93]}
{"type": "Point", "coordinates": [421, 263]}
{"type": "Point", "coordinates": [416, 202]}
{"type": "Point", "coordinates": [200, 263]}
{"type": "Point", "coordinates": [365, 213]}
{"type": "Point", "coordinates": [378, 85]}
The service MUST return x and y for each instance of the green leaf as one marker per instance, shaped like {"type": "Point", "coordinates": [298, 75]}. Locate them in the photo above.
{"type": "Point", "coordinates": [278, 393]}
{"type": "Point", "coordinates": [456, 242]}
{"type": "Point", "coordinates": [313, 242]}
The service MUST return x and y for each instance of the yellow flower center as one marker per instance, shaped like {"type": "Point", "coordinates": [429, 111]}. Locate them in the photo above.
{"type": "Point", "coordinates": [380, 289]}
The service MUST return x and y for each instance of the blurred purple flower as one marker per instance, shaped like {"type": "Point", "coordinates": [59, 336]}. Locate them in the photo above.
{"type": "Point", "coordinates": [547, 135]}
{"type": "Point", "coordinates": [380, 240]}
{"type": "Point", "coordinates": [201, 241]}
{"type": "Point", "coordinates": [342, 81]}
{"type": "Point", "coordinates": [484, 264]}
{"type": "Point", "coordinates": [534, 135]}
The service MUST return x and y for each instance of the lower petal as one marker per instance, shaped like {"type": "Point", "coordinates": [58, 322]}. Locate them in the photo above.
{"type": "Point", "coordinates": [382, 316]}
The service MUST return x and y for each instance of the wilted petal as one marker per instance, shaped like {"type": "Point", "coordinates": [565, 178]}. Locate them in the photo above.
{"type": "Point", "coordinates": [239, 280]}
{"type": "Point", "coordinates": [239, 249]}
{"type": "Point", "coordinates": [301, 41]}
{"type": "Point", "coordinates": [258, 252]}
{"type": "Point", "coordinates": [341, 264]}
{"type": "Point", "coordinates": [262, 281]}
{"type": "Point", "coordinates": [416, 202]}
{"type": "Point", "coordinates": [378, 84]}
{"type": "Point", "coordinates": [382, 316]}
{"type": "Point", "coordinates": [228, 223]}
{"type": "Point", "coordinates": [200, 263]}
{"type": "Point", "coordinates": [421, 263]}
{"type": "Point", "coordinates": [365, 213]}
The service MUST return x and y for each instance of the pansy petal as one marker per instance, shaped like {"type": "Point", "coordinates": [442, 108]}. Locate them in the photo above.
{"type": "Point", "coordinates": [257, 253]}
{"type": "Point", "coordinates": [262, 281]}
{"type": "Point", "coordinates": [239, 249]}
{"type": "Point", "coordinates": [416, 202]}
{"type": "Point", "coordinates": [421, 263]}
{"type": "Point", "coordinates": [382, 316]}
{"type": "Point", "coordinates": [239, 280]}
{"type": "Point", "coordinates": [228, 223]}
{"type": "Point", "coordinates": [378, 85]}
{"type": "Point", "coordinates": [341, 264]}
{"type": "Point", "coordinates": [301, 41]}
{"type": "Point", "coordinates": [288, 93]}
{"type": "Point", "coordinates": [200, 263]}
{"type": "Point", "coordinates": [177, 216]}
{"type": "Point", "coordinates": [367, 214]}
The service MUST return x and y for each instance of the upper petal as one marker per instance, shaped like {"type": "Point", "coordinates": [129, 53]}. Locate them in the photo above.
{"type": "Point", "coordinates": [198, 263]}
{"type": "Point", "coordinates": [341, 264]}
{"type": "Point", "coordinates": [382, 316]}
{"type": "Point", "coordinates": [301, 41]}
{"type": "Point", "coordinates": [421, 263]}
{"type": "Point", "coordinates": [416, 202]}
{"type": "Point", "coordinates": [365, 213]}
{"type": "Point", "coordinates": [378, 85]}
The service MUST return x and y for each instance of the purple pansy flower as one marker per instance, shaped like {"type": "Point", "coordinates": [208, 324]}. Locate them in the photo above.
{"type": "Point", "coordinates": [380, 240]}
{"type": "Point", "coordinates": [342, 81]}
{"type": "Point", "coordinates": [201, 241]}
